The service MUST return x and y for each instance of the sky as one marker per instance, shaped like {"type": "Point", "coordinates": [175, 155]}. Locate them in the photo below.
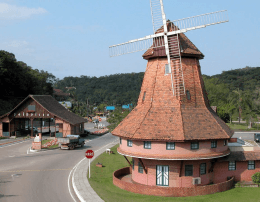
{"type": "Point", "coordinates": [71, 37]}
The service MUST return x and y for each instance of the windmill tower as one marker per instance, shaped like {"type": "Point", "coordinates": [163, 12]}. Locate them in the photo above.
{"type": "Point", "coordinates": [172, 135]}
{"type": "Point", "coordinates": [166, 34]}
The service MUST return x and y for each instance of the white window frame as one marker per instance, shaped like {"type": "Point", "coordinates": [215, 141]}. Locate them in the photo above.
{"type": "Point", "coordinates": [162, 175]}
{"type": "Point", "coordinates": [129, 143]}
{"type": "Point", "coordinates": [232, 165]}
{"type": "Point", "coordinates": [170, 145]}
{"type": "Point", "coordinates": [147, 144]}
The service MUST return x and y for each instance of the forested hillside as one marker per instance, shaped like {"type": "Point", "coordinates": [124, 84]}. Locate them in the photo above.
{"type": "Point", "coordinates": [236, 93]}
{"type": "Point", "coordinates": [17, 81]}
{"type": "Point", "coordinates": [117, 89]}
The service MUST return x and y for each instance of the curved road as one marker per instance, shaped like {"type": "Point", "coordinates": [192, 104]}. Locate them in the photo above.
{"type": "Point", "coordinates": [41, 176]}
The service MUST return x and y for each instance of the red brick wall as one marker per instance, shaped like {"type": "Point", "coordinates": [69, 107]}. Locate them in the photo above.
{"type": "Point", "coordinates": [241, 173]}
{"type": "Point", "coordinates": [168, 191]}
{"type": "Point", "coordinates": [36, 145]}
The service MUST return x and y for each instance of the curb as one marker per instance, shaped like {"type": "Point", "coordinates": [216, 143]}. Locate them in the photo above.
{"type": "Point", "coordinates": [98, 151]}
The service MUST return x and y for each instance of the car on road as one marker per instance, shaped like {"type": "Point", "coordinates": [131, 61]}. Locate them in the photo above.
{"type": "Point", "coordinates": [257, 137]}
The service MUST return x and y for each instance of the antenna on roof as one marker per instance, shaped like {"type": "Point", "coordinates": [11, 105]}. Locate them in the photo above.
{"type": "Point", "coordinates": [166, 34]}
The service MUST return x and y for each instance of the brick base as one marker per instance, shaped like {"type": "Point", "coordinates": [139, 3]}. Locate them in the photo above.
{"type": "Point", "coordinates": [168, 191]}
{"type": "Point", "coordinates": [36, 145]}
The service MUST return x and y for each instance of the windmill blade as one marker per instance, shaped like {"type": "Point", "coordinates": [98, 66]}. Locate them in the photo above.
{"type": "Point", "coordinates": [150, 41]}
{"type": "Point", "coordinates": [197, 22]}
{"type": "Point", "coordinates": [156, 11]}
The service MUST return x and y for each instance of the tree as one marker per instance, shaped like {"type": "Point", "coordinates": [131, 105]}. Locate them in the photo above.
{"type": "Point", "coordinates": [116, 117]}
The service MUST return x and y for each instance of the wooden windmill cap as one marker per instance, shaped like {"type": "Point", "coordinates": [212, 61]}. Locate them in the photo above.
{"type": "Point", "coordinates": [188, 49]}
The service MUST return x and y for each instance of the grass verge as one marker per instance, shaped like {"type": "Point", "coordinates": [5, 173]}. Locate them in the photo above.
{"type": "Point", "coordinates": [102, 182]}
{"type": "Point", "coordinates": [242, 126]}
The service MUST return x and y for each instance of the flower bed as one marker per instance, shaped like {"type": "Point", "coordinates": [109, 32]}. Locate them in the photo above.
{"type": "Point", "coordinates": [100, 132]}
{"type": "Point", "coordinates": [51, 143]}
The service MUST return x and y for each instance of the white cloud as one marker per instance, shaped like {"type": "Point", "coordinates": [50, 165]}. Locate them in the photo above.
{"type": "Point", "coordinates": [12, 12]}
{"type": "Point", "coordinates": [17, 44]}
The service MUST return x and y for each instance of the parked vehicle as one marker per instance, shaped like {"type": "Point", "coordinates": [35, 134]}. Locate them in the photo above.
{"type": "Point", "coordinates": [86, 133]}
{"type": "Point", "coordinates": [257, 137]}
{"type": "Point", "coordinates": [70, 142]}
{"type": "Point", "coordinates": [95, 121]}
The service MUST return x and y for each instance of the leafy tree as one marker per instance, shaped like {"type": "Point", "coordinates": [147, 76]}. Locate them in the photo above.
{"type": "Point", "coordinates": [256, 178]}
{"type": "Point", "coordinates": [116, 117]}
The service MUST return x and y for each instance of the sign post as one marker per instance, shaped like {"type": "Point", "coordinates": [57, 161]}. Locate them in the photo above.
{"type": "Point", "coordinates": [89, 154]}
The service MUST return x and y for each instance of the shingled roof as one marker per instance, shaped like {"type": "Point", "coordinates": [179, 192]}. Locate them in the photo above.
{"type": "Point", "coordinates": [53, 107]}
{"type": "Point", "coordinates": [242, 156]}
{"type": "Point", "coordinates": [188, 49]}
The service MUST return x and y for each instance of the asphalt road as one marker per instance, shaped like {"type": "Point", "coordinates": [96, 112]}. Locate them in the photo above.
{"type": "Point", "coordinates": [41, 176]}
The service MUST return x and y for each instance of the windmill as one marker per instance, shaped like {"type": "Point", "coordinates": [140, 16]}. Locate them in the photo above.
{"type": "Point", "coordinates": [169, 39]}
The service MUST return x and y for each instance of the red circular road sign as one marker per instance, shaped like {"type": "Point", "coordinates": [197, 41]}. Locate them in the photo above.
{"type": "Point", "coordinates": [89, 154]}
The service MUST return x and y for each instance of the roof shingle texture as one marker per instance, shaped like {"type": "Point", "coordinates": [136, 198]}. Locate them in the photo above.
{"type": "Point", "coordinates": [54, 107]}
{"type": "Point", "coordinates": [162, 116]}
{"type": "Point", "coordinates": [242, 156]}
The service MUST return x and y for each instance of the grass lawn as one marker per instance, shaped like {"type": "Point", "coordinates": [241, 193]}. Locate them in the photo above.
{"type": "Point", "coordinates": [45, 141]}
{"type": "Point", "coordinates": [102, 182]}
{"type": "Point", "coordinates": [242, 126]}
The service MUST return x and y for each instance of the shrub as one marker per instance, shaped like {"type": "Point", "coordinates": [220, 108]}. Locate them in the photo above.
{"type": "Point", "coordinates": [256, 178]}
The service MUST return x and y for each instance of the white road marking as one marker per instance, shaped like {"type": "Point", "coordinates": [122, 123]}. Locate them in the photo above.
{"type": "Point", "coordinates": [73, 170]}
{"type": "Point", "coordinates": [11, 144]}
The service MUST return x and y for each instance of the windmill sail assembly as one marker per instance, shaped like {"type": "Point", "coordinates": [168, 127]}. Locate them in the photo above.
{"type": "Point", "coordinates": [166, 34]}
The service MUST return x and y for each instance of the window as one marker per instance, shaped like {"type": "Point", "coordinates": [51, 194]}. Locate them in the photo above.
{"type": "Point", "coordinates": [170, 145]}
{"type": "Point", "coordinates": [147, 144]}
{"type": "Point", "coordinates": [167, 69]}
{"type": "Point", "coordinates": [231, 165]}
{"type": "Point", "coordinates": [120, 140]}
{"type": "Point", "coordinates": [203, 168]}
{"type": "Point", "coordinates": [251, 165]}
{"type": "Point", "coordinates": [144, 96]}
{"type": "Point", "coordinates": [31, 107]}
{"type": "Point", "coordinates": [129, 143]}
{"type": "Point", "coordinates": [80, 127]}
{"type": "Point", "coordinates": [188, 170]}
{"type": "Point", "coordinates": [140, 168]}
{"type": "Point", "coordinates": [188, 95]}
{"type": "Point", "coordinates": [133, 164]}
{"type": "Point", "coordinates": [225, 142]}
{"type": "Point", "coordinates": [194, 145]}
{"type": "Point", "coordinates": [214, 144]}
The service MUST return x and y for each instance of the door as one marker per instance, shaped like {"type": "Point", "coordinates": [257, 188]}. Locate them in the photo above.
{"type": "Point", "coordinates": [162, 175]}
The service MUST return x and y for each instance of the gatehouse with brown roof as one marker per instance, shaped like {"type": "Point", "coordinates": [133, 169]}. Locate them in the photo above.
{"type": "Point", "coordinates": [27, 118]}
